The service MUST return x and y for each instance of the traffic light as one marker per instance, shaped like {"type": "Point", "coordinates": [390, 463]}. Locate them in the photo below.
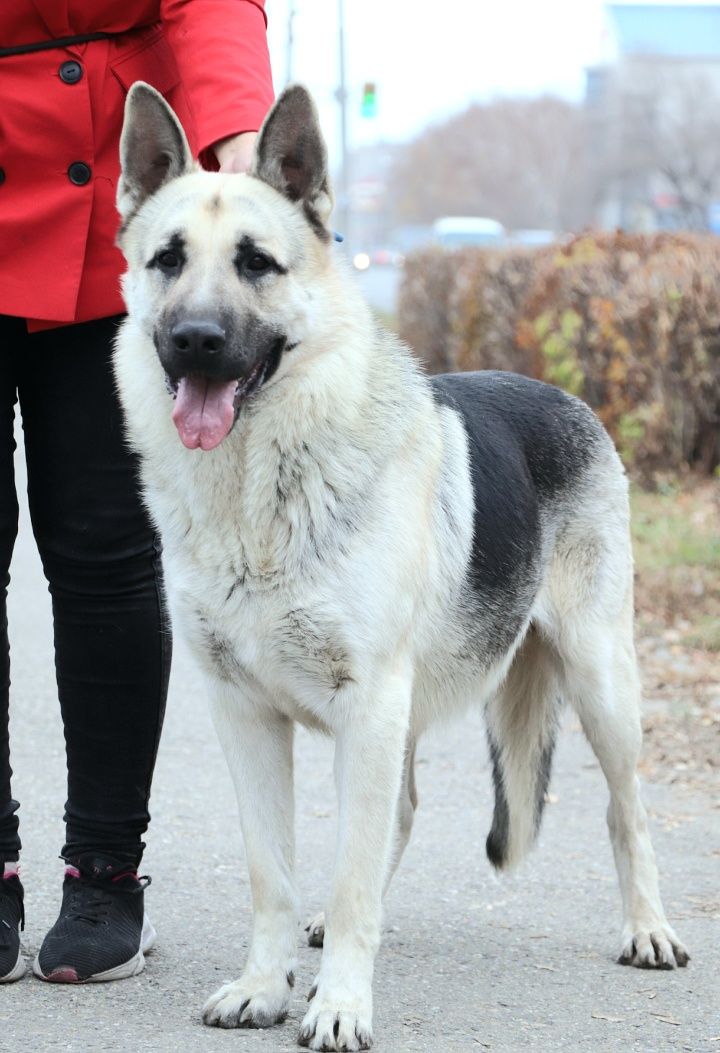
{"type": "Point", "coordinates": [368, 107]}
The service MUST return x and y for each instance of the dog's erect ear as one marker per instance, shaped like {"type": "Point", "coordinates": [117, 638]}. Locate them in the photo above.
{"type": "Point", "coordinates": [291, 156]}
{"type": "Point", "coordinates": [153, 148]}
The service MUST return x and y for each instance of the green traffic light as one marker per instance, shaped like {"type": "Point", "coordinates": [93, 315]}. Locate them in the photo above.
{"type": "Point", "coordinates": [368, 107]}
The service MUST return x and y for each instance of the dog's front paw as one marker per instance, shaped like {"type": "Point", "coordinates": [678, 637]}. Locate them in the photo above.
{"type": "Point", "coordinates": [249, 1002]}
{"type": "Point", "coordinates": [653, 947]}
{"type": "Point", "coordinates": [337, 1019]}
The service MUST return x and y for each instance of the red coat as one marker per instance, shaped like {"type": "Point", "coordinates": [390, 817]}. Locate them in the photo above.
{"type": "Point", "coordinates": [60, 120]}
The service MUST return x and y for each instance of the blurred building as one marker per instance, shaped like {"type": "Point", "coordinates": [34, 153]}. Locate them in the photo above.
{"type": "Point", "coordinates": [654, 118]}
{"type": "Point", "coordinates": [368, 218]}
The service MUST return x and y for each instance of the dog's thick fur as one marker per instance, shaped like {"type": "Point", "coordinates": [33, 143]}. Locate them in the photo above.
{"type": "Point", "coordinates": [365, 551]}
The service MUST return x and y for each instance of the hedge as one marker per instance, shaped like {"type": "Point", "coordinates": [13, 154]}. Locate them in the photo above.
{"type": "Point", "coordinates": [629, 323]}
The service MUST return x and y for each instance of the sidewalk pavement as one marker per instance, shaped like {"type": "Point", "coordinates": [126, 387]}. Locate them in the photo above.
{"type": "Point", "coordinates": [469, 961]}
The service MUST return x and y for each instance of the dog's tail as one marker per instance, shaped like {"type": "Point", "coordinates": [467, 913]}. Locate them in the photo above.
{"type": "Point", "coordinates": [521, 726]}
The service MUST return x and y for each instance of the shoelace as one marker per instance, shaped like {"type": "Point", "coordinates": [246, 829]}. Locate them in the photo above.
{"type": "Point", "coordinates": [90, 898]}
{"type": "Point", "coordinates": [88, 903]}
{"type": "Point", "coordinates": [5, 928]}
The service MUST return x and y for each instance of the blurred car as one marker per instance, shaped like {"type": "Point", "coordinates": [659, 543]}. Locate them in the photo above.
{"type": "Point", "coordinates": [457, 231]}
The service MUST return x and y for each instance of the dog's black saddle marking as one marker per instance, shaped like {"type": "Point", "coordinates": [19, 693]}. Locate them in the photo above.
{"type": "Point", "coordinates": [529, 444]}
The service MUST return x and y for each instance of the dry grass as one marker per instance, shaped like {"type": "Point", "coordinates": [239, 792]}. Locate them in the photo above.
{"type": "Point", "coordinates": [677, 551]}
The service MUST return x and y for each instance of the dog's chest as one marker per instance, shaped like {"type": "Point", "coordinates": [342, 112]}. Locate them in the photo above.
{"type": "Point", "coordinates": [280, 646]}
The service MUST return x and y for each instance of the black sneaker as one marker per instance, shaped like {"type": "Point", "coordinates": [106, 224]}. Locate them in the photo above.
{"type": "Point", "coordinates": [102, 932]}
{"type": "Point", "coordinates": [12, 920]}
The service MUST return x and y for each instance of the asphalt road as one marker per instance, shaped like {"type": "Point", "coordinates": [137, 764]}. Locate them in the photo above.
{"type": "Point", "coordinates": [469, 961]}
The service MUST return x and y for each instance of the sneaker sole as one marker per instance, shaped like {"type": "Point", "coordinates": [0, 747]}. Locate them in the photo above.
{"type": "Point", "coordinates": [17, 971]}
{"type": "Point", "coordinates": [134, 965]}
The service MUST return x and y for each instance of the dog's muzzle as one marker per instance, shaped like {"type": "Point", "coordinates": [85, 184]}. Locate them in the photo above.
{"type": "Point", "coordinates": [210, 379]}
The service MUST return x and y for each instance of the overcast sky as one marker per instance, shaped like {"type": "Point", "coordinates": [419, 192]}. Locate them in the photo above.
{"type": "Point", "coordinates": [431, 59]}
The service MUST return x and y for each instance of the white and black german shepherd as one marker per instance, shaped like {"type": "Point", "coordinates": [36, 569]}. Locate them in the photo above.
{"type": "Point", "coordinates": [354, 546]}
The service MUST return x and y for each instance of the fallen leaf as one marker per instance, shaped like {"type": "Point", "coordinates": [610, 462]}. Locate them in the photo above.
{"type": "Point", "coordinates": [612, 1019]}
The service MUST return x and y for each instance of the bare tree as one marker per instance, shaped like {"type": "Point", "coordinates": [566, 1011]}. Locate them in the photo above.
{"type": "Point", "coordinates": [517, 160]}
{"type": "Point", "coordinates": [668, 139]}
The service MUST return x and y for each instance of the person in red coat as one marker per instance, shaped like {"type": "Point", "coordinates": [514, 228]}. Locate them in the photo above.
{"type": "Point", "coordinates": [65, 69]}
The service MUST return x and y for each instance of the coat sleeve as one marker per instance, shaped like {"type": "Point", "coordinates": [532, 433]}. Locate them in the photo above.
{"type": "Point", "coordinates": [220, 47]}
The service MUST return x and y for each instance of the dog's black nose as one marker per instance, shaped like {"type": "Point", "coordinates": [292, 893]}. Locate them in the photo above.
{"type": "Point", "coordinates": [196, 341]}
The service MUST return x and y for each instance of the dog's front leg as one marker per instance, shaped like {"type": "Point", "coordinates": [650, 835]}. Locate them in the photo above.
{"type": "Point", "coordinates": [369, 752]}
{"type": "Point", "coordinates": [258, 748]}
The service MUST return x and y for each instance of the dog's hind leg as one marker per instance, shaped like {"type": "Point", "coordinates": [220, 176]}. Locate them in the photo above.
{"type": "Point", "coordinates": [521, 727]}
{"type": "Point", "coordinates": [602, 682]}
{"type": "Point", "coordinates": [407, 804]}
{"type": "Point", "coordinates": [258, 748]}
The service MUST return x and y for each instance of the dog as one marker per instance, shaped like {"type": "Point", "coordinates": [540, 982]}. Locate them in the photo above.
{"type": "Point", "coordinates": [359, 548]}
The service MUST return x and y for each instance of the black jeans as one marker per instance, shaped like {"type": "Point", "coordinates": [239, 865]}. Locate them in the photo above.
{"type": "Point", "coordinates": [101, 558]}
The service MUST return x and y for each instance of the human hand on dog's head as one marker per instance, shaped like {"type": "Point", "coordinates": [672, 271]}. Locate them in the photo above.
{"type": "Point", "coordinates": [235, 153]}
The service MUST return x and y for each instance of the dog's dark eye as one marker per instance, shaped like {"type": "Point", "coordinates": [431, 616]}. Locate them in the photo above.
{"type": "Point", "coordinates": [168, 260]}
{"type": "Point", "coordinates": [258, 262]}
{"type": "Point", "coordinates": [252, 262]}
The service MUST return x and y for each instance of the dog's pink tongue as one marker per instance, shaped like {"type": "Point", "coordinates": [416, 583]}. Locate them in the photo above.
{"type": "Point", "coordinates": [204, 411]}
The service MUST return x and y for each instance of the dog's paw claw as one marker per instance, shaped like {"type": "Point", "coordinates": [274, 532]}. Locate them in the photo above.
{"type": "Point", "coordinates": [656, 948]}
{"type": "Point", "coordinates": [235, 1005]}
{"type": "Point", "coordinates": [338, 1030]}
{"type": "Point", "coordinates": [216, 1016]}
